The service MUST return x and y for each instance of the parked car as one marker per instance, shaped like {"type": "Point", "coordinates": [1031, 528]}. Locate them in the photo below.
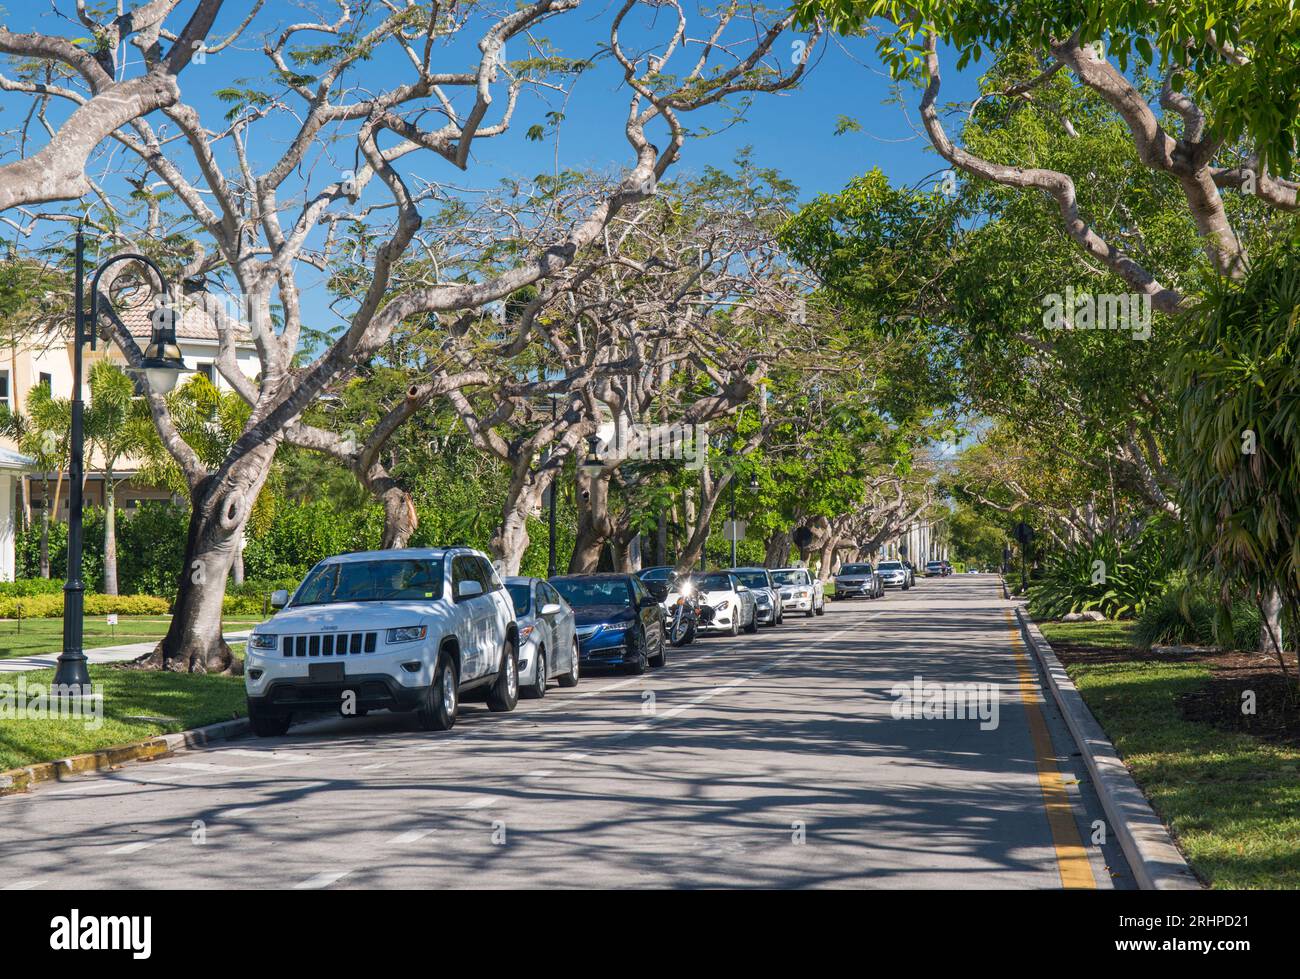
{"type": "Point", "coordinates": [934, 569]}
{"type": "Point", "coordinates": [894, 574]}
{"type": "Point", "coordinates": [733, 604]}
{"type": "Point", "coordinates": [403, 630]}
{"type": "Point", "coordinates": [548, 643]}
{"type": "Point", "coordinates": [618, 622]}
{"type": "Point", "coordinates": [767, 596]}
{"type": "Point", "coordinates": [680, 600]}
{"type": "Point", "coordinates": [800, 591]}
{"type": "Point", "coordinates": [857, 581]}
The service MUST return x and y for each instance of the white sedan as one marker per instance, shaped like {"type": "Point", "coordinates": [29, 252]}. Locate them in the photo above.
{"type": "Point", "coordinates": [734, 607]}
{"type": "Point", "coordinates": [800, 591]}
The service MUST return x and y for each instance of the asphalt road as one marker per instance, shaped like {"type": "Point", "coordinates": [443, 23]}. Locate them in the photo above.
{"type": "Point", "coordinates": [765, 761]}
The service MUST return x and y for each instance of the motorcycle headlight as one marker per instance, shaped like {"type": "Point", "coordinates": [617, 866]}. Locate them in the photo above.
{"type": "Point", "coordinates": [409, 633]}
{"type": "Point", "coordinates": [262, 641]}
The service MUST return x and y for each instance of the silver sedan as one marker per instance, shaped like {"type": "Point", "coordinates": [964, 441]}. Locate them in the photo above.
{"type": "Point", "coordinates": [548, 645]}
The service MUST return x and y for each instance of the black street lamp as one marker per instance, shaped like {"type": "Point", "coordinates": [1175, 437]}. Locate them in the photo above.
{"type": "Point", "coordinates": [732, 507]}
{"type": "Point", "coordinates": [161, 366]}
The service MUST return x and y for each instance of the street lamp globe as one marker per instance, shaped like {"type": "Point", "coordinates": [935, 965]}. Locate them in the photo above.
{"type": "Point", "coordinates": [163, 363]}
{"type": "Point", "coordinates": [593, 465]}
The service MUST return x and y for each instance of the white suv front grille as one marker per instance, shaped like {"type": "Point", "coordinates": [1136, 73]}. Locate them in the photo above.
{"type": "Point", "coordinates": [329, 644]}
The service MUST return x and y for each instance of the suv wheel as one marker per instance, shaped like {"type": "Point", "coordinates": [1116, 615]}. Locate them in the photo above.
{"type": "Point", "coordinates": [821, 609]}
{"type": "Point", "coordinates": [268, 725]}
{"type": "Point", "coordinates": [437, 711]}
{"type": "Point", "coordinates": [753, 622]}
{"type": "Point", "coordinates": [505, 691]}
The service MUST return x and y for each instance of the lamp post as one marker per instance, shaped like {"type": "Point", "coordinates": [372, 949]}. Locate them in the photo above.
{"type": "Point", "coordinates": [551, 568]}
{"type": "Point", "coordinates": [162, 364]}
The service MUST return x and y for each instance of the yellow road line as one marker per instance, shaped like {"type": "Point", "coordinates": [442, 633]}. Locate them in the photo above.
{"type": "Point", "coordinates": [1071, 858]}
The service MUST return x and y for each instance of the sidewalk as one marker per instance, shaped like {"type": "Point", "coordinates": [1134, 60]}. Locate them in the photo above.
{"type": "Point", "coordinates": [96, 657]}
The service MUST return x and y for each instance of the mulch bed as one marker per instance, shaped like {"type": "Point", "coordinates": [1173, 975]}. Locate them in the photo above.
{"type": "Point", "coordinates": [1219, 702]}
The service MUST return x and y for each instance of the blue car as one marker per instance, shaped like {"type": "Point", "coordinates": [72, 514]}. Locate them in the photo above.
{"type": "Point", "coordinates": [619, 623]}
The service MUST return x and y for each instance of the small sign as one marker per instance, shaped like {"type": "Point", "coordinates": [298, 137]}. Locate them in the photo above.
{"type": "Point", "coordinates": [112, 618]}
{"type": "Point", "coordinates": [734, 530]}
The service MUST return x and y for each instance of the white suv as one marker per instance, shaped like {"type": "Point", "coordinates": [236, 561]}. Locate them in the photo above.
{"type": "Point", "coordinates": [404, 630]}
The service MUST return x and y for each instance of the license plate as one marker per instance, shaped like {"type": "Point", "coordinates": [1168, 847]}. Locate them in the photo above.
{"type": "Point", "coordinates": [325, 672]}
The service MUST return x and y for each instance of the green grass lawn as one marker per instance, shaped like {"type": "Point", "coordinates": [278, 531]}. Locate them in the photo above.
{"type": "Point", "coordinates": [137, 704]}
{"type": "Point", "coordinates": [29, 637]}
{"type": "Point", "coordinates": [1232, 800]}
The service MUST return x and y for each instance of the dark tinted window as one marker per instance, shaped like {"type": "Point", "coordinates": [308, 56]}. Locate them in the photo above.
{"type": "Point", "coordinates": [715, 582]}
{"type": "Point", "coordinates": [520, 595]}
{"type": "Point", "coordinates": [584, 592]}
{"type": "Point", "coordinates": [656, 574]}
{"type": "Point", "coordinates": [856, 569]}
{"type": "Point", "coordinates": [753, 579]}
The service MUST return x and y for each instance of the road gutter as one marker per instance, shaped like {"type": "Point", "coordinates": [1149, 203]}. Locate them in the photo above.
{"type": "Point", "coordinates": [162, 746]}
{"type": "Point", "coordinates": [1156, 862]}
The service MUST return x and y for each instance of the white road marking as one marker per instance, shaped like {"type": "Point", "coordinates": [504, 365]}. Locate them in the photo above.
{"type": "Point", "coordinates": [134, 847]}
{"type": "Point", "coordinates": [411, 836]}
{"type": "Point", "coordinates": [575, 756]}
{"type": "Point", "coordinates": [375, 767]}
{"type": "Point", "coordinates": [482, 802]}
{"type": "Point", "coordinates": [321, 880]}
{"type": "Point", "coordinates": [22, 885]}
{"type": "Point", "coordinates": [540, 773]}
{"type": "Point", "coordinates": [244, 811]}
{"type": "Point", "coordinates": [201, 766]}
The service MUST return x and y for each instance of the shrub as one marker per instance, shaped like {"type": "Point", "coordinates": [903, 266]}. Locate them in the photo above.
{"type": "Point", "coordinates": [1191, 615]}
{"type": "Point", "coordinates": [26, 587]}
{"type": "Point", "coordinates": [50, 606]}
{"type": "Point", "coordinates": [1116, 581]}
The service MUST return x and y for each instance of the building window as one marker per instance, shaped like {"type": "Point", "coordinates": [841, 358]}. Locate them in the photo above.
{"type": "Point", "coordinates": [47, 381]}
{"type": "Point", "coordinates": [4, 389]}
{"type": "Point", "coordinates": [210, 372]}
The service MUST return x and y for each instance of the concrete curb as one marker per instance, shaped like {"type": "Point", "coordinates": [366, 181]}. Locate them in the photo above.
{"type": "Point", "coordinates": [21, 779]}
{"type": "Point", "coordinates": [1150, 851]}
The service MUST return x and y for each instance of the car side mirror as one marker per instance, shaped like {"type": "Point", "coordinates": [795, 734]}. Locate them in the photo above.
{"type": "Point", "coordinates": [279, 598]}
{"type": "Point", "coordinates": [468, 589]}
{"type": "Point", "coordinates": [550, 608]}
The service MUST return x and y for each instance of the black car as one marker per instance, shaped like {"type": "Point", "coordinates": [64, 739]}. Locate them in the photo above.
{"type": "Point", "coordinates": [619, 623]}
{"type": "Point", "coordinates": [680, 599]}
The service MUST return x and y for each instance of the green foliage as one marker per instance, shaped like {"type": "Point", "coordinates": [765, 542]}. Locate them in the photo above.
{"type": "Point", "coordinates": [50, 606]}
{"type": "Point", "coordinates": [1257, 95]}
{"type": "Point", "coordinates": [1103, 575]}
{"type": "Point", "coordinates": [1189, 615]}
{"type": "Point", "coordinates": [1239, 429]}
{"type": "Point", "coordinates": [150, 545]}
{"type": "Point", "coordinates": [27, 587]}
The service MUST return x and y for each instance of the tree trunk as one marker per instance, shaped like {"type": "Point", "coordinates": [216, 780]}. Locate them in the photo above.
{"type": "Point", "coordinates": [110, 533]}
{"type": "Point", "coordinates": [523, 499]}
{"type": "Point", "coordinates": [220, 505]}
{"type": "Point", "coordinates": [1270, 625]}
{"type": "Point", "coordinates": [594, 524]}
{"type": "Point", "coordinates": [45, 538]}
{"type": "Point", "coordinates": [400, 519]}
{"type": "Point", "coordinates": [777, 551]}
{"type": "Point", "coordinates": [237, 568]}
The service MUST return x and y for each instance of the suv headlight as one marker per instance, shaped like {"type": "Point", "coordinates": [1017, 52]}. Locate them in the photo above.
{"type": "Point", "coordinates": [408, 633]}
{"type": "Point", "coordinates": [261, 640]}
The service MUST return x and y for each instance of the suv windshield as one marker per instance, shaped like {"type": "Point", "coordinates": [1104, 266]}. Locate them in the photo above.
{"type": "Point", "coordinates": [890, 566]}
{"type": "Point", "coordinates": [371, 581]}
{"type": "Point", "coordinates": [856, 569]}
{"type": "Point", "coordinates": [521, 593]}
{"type": "Point", "coordinates": [752, 579]}
{"type": "Point", "coordinates": [797, 576]}
{"type": "Point", "coordinates": [585, 592]}
{"type": "Point", "coordinates": [656, 574]}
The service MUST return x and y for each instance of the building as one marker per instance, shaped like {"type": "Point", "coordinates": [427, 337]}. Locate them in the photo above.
{"type": "Point", "coordinates": [46, 358]}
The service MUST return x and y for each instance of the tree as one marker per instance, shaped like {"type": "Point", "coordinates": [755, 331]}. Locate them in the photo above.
{"type": "Point", "coordinates": [259, 226]}
{"type": "Point", "coordinates": [111, 435]}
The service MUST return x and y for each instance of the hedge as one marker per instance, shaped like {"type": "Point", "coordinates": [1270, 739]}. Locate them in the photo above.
{"type": "Point", "coordinates": [51, 606]}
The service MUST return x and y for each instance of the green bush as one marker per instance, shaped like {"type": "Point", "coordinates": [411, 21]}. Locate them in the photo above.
{"type": "Point", "coordinates": [50, 606]}
{"type": "Point", "coordinates": [1103, 576]}
{"type": "Point", "coordinates": [300, 534]}
{"type": "Point", "coordinates": [1190, 615]}
{"type": "Point", "coordinates": [26, 587]}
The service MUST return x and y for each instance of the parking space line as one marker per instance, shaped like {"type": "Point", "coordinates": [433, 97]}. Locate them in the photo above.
{"type": "Point", "coordinates": [411, 836]}
{"type": "Point", "coordinates": [322, 880]}
{"type": "Point", "coordinates": [135, 847]}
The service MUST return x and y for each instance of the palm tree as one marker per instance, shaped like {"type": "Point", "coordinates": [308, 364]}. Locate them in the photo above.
{"type": "Point", "coordinates": [113, 431]}
{"type": "Point", "coordinates": [45, 437]}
